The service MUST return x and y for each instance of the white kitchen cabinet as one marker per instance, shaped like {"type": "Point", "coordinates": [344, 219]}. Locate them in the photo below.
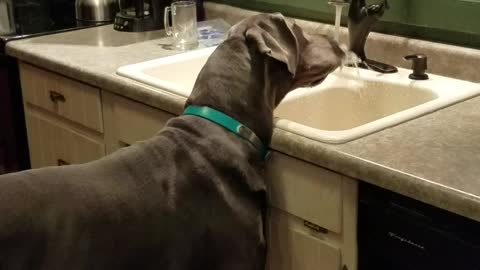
{"type": "Point", "coordinates": [61, 96]}
{"type": "Point", "coordinates": [54, 144]}
{"type": "Point", "coordinates": [312, 219]}
{"type": "Point", "coordinates": [72, 122]}
{"type": "Point", "coordinates": [292, 245]}
{"type": "Point", "coordinates": [128, 121]}
{"type": "Point", "coordinates": [63, 118]}
{"type": "Point", "coordinates": [321, 191]}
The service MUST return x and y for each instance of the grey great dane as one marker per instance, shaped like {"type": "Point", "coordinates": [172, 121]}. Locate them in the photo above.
{"type": "Point", "coordinates": [191, 197]}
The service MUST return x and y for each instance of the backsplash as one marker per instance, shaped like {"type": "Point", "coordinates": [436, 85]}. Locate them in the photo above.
{"type": "Point", "coordinates": [447, 60]}
{"type": "Point", "coordinates": [447, 21]}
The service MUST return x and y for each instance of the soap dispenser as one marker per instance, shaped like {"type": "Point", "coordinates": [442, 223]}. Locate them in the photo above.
{"type": "Point", "coordinates": [419, 66]}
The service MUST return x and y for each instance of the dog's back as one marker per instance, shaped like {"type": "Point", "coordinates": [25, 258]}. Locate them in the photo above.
{"type": "Point", "coordinates": [176, 201]}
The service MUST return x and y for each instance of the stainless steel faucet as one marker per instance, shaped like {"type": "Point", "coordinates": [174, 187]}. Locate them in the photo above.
{"type": "Point", "coordinates": [361, 18]}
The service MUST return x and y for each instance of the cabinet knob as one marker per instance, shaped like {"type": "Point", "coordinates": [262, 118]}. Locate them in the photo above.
{"type": "Point", "coordinates": [61, 162]}
{"type": "Point", "coordinates": [55, 96]}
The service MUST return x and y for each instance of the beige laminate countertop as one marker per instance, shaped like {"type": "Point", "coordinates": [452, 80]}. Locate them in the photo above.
{"type": "Point", "coordinates": [435, 158]}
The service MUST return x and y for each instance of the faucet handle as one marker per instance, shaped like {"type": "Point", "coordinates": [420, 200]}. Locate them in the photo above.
{"type": "Point", "coordinates": [419, 66]}
{"type": "Point", "coordinates": [378, 9]}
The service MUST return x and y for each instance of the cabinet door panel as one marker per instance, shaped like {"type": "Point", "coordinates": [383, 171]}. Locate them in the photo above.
{"type": "Point", "coordinates": [62, 96]}
{"type": "Point", "coordinates": [294, 247]}
{"type": "Point", "coordinates": [136, 121]}
{"type": "Point", "coordinates": [306, 191]}
{"type": "Point", "coordinates": [52, 144]}
{"type": "Point", "coordinates": [128, 121]}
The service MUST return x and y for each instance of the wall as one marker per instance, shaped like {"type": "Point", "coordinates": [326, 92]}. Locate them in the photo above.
{"type": "Point", "coordinates": [448, 21]}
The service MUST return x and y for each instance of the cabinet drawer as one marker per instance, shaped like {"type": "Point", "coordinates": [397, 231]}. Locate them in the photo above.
{"type": "Point", "coordinates": [134, 121]}
{"type": "Point", "coordinates": [306, 191]}
{"type": "Point", "coordinates": [65, 97]}
{"type": "Point", "coordinates": [52, 144]}
{"type": "Point", "coordinates": [293, 247]}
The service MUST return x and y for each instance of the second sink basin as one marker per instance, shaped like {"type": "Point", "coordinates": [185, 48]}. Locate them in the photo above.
{"type": "Point", "coordinates": [343, 104]}
{"type": "Point", "coordinates": [349, 104]}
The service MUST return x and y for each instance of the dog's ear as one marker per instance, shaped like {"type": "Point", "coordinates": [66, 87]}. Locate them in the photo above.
{"type": "Point", "coordinates": [275, 37]}
{"type": "Point", "coordinates": [319, 57]}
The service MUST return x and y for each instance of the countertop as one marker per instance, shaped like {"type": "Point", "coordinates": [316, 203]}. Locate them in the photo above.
{"type": "Point", "coordinates": [434, 158]}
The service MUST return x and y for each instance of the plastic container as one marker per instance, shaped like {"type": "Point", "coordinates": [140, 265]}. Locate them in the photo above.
{"type": "Point", "coordinates": [212, 32]}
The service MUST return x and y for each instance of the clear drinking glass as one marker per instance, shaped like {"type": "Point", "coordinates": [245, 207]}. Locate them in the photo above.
{"type": "Point", "coordinates": [184, 24]}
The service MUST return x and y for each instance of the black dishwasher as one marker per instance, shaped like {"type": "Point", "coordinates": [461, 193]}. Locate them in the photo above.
{"type": "Point", "coordinates": [399, 233]}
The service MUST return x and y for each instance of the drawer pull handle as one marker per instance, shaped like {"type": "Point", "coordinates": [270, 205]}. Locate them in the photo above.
{"type": "Point", "coordinates": [123, 144]}
{"type": "Point", "coordinates": [314, 227]}
{"type": "Point", "coordinates": [61, 162]}
{"type": "Point", "coordinates": [55, 96]}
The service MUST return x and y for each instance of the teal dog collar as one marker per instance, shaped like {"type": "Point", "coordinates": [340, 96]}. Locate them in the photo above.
{"type": "Point", "coordinates": [230, 124]}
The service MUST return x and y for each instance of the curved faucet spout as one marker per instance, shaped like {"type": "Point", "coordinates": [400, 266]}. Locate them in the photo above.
{"type": "Point", "coordinates": [361, 18]}
{"type": "Point", "coordinates": [359, 9]}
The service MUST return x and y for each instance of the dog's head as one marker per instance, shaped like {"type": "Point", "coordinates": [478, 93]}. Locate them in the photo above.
{"type": "Point", "coordinates": [308, 57]}
{"type": "Point", "coordinates": [263, 58]}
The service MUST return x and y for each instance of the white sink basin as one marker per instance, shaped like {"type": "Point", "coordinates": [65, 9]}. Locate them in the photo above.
{"type": "Point", "coordinates": [176, 73]}
{"type": "Point", "coordinates": [344, 107]}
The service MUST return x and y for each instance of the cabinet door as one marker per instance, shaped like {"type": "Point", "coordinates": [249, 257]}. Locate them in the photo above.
{"type": "Point", "coordinates": [305, 190]}
{"type": "Point", "coordinates": [129, 121]}
{"type": "Point", "coordinates": [52, 144]}
{"type": "Point", "coordinates": [62, 96]}
{"type": "Point", "coordinates": [293, 246]}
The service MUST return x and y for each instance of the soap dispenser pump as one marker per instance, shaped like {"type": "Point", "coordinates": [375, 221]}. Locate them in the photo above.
{"type": "Point", "coordinates": [419, 66]}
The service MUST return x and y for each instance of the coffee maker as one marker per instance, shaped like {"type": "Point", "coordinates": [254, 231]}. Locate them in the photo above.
{"type": "Point", "coordinates": [140, 15]}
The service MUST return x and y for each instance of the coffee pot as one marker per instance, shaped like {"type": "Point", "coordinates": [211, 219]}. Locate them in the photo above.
{"type": "Point", "coordinates": [95, 11]}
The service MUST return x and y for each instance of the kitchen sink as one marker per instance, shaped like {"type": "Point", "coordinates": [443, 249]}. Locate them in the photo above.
{"type": "Point", "coordinates": [176, 73]}
{"type": "Point", "coordinates": [349, 104]}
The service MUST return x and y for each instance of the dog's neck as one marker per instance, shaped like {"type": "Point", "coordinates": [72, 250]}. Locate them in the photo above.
{"type": "Point", "coordinates": [244, 84]}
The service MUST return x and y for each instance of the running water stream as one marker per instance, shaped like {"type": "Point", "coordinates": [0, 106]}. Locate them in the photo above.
{"type": "Point", "coordinates": [350, 57]}
{"type": "Point", "coordinates": [338, 18]}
